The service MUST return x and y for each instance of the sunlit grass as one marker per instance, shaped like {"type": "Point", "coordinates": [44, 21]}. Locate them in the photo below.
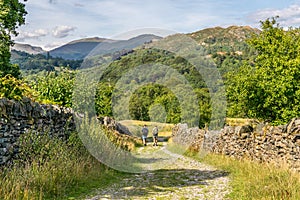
{"type": "Point", "coordinates": [62, 171]}
{"type": "Point", "coordinates": [252, 180]}
{"type": "Point", "coordinates": [240, 121]}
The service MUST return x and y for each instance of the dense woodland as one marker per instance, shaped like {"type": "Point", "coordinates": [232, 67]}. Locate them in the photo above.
{"type": "Point", "coordinates": [32, 64]}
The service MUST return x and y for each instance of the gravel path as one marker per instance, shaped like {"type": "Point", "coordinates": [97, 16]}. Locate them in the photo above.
{"type": "Point", "coordinates": [169, 176]}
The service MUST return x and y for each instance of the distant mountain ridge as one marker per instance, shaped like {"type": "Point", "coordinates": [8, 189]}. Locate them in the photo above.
{"type": "Point", "coordinates": [28, 48]}
{"type": "Point", "coordinates": [123, 45]}
{"type": "Point", "coordinates": [92, 39]}
{"type": "Point", "coordinates": [226, 46]}
{"type": "Point", "coordinates": [79, 49]}
{"type": "Point", "coordinates": [74, 50]}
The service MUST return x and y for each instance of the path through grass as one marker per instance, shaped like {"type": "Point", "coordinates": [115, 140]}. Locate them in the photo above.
{"type": "Point", "coordinates": [168, 176]}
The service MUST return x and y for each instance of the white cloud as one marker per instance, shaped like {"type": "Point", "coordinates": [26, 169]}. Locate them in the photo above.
{"type": "Point", "coordinates": [36, 34]}
{"type": "Point", "coordinates": [62, 31]}
{"type": "Point", "coordinates": [289, 16]}
{"type": "Point", "coordinates": [108, 18]}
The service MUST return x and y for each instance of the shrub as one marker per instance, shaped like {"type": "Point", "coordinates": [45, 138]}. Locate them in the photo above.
{"type": "Point", "coordinates": [13, 88]}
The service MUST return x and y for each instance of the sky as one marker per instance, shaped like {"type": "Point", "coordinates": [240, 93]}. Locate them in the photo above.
{"type": "Point", "coordinates": [51, 23]}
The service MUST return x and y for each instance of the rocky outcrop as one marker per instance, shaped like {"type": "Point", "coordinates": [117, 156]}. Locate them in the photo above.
{"type": "Point", "coordinates": [274, 144]}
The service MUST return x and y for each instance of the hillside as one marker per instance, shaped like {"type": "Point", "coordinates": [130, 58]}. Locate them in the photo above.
{"type": "Point", "coordinates": [224, 38]}
{"type": "Point", "coordinates": [226, 46]}
{"type": "Point", "coordinates": [222, 45]}
{"type": "Point", "coordinates": [33, 63]}
{"type": "Point", "coordinates": [70, 55]}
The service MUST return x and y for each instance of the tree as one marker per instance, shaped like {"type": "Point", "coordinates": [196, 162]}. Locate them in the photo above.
{"type": "Point", "coordinates": [269, 88]}
{"type": "Point", "coordinates": [103, 101]}
{"type": "Point", "coordinates": [12, 14]}
{"type": "Point", "coordinates": [154, 94]}
{"type": "Point", "coordinates": [55, 88]}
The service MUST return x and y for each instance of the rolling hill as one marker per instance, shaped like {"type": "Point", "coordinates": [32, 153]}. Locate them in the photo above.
{"type": "Point", "coordinates": [79, 49]}
{"type": "Point", "coordinates": [226, 46]}
{"type": "Point", "coordinates": [233, 36]}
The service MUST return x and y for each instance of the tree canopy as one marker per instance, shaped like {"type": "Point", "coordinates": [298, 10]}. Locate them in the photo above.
{"type": "Point", "coordinates": [269, 87]}
{"type": "Point", "coordinates": [12, 15]}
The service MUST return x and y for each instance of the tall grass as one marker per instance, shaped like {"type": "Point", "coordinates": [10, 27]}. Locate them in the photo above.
{"type": "Point", "coordinates": [50, 168]}
{"type": "Point", "coordinates": [252, 180]}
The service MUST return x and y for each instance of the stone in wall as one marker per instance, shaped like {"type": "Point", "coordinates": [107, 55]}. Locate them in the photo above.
{"type": "Point", "coordinates": [274, 144]}
{"type": "Point", "coordinates": [271, 144]}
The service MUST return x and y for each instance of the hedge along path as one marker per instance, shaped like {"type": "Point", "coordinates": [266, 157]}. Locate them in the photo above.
{"type": "Point", "coordinates": [170, 176]}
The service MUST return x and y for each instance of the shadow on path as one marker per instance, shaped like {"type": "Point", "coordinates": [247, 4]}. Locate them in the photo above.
{"type": "Point", "coordinates": [135, 186]}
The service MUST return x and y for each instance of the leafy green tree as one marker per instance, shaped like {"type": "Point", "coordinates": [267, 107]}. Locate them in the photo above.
{"type": "Point", "coordinates": [269, 88]}
{"type": "Point", "coordinates": [55, 88]}
{"type": "Point", "coordinates": [172, 107]}
{"type": "Point", "coordinates": [154, 94]}
{"type": "Point", "coordinates": [12, 14]}
{"type": "Point", "coordinates": [103, 101]}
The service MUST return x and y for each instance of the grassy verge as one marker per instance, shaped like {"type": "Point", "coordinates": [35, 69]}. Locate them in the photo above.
{"type": "Point", "coordinates": [249, 179]}
{"type": "Point", "coordinates": [252, 180]}
{"type": "Point", "coordinates": [52, 169]}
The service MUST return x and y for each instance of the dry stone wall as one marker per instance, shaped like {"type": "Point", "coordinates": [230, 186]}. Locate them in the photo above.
{"type": "Point", "coordinates": [17, 118]}
{"type": "Point", "coordinates": [280, 144]}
